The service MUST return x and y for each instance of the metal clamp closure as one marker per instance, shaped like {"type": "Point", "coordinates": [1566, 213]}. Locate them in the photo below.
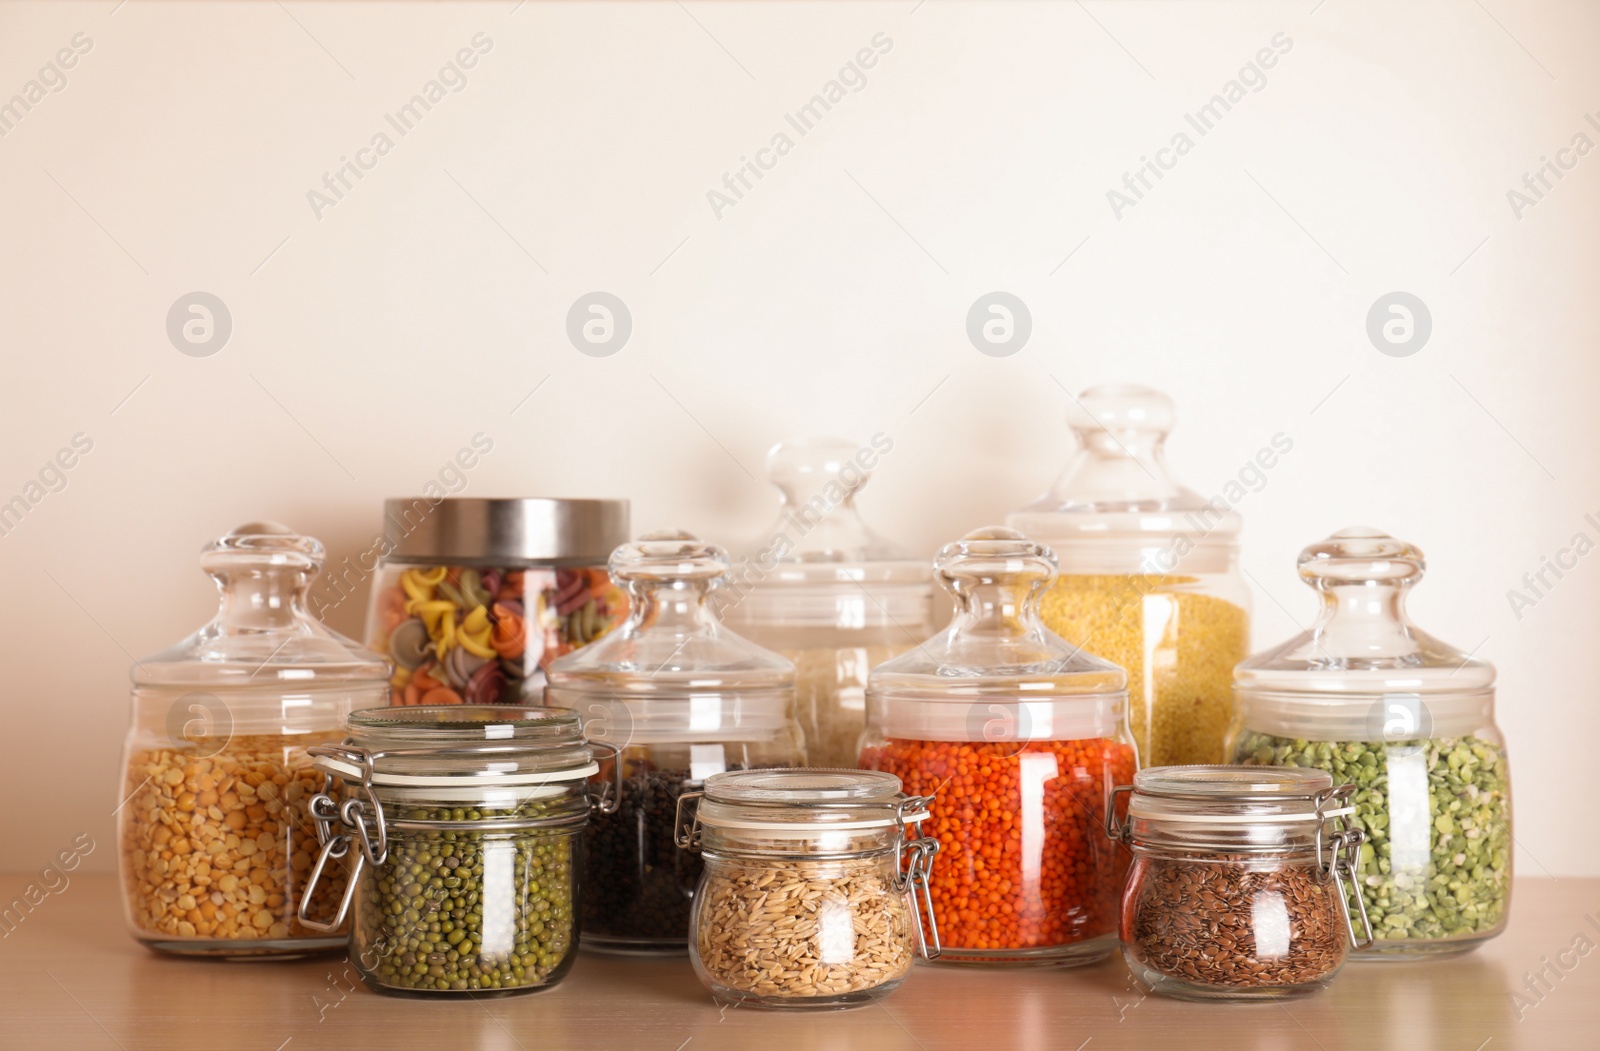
{"type": "Point", "coordinates": [687, 837]}
{"type": "Point", "coordinates": [1340, 858]}
{"type": "Point", "coordinates": [1119, 831]}
{"type": "Point", "coordinates": [609, 800]}
{"type": "Point", "coordinates": [914, 876]}
{"type": "Point", "coordinates": [359, 817]}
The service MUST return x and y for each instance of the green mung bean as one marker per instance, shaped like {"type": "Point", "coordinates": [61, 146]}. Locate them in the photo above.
{"type": "Point", "coordinates": [467, 911]}
{"type": "Point", "coordinates": [1437, 861]}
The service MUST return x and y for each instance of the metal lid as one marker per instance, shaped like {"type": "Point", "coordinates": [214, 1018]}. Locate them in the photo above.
{"type": "Point", "coordinates": [504, 531]}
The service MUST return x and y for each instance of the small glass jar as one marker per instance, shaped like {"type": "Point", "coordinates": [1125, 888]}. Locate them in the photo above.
{"type": "Point", "coordinates": [476, 597]}
{"type": "Point", "coordinates": [1238, 880]}
{"type": "Point", "coordinates": [214, 836]}
{"type": "Point", "coordinates": [681, 698]}
{"type": "Point", "coordinates": [808, 894]}
{"type": "Point", "coordinates": [1150, 575]}
{"type": "Point", "coordinates": [462, 824]}
{"type": "Point", "coordinates": [1372, 699]}
{"type": "Point", "coordinates": [828, 593]}
{"type": "Point", "coordinates": [1018, 737]}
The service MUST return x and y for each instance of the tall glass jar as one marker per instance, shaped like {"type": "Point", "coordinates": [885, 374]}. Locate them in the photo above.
{"type": "Point", "coordinates": [1237, 890]}
{"type": "Point", "coordinates": [828, 593]}
{"type": "Point", "coordinates": [475, 598]}
{"type": "Point", "coordinates": [1150, 575]}
{"type": "Point", "coordinates": [462, 824]}
{"type": "Point", "coordinates": [1018, 736]}
{"type": "Point", "coordinates": [681, 698]}
{"type": "Point", "coordinates": [807, 900]}
{"type": "Point", "coordinates": [1370, 698]}
{"type": "Point", "coordinates": [215, 838]}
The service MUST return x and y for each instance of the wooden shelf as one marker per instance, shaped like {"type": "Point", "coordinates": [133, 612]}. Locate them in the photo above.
{"type": "Point", "coordinates": [70, 977]}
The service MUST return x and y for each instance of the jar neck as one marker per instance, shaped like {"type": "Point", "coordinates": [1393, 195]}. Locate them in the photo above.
{"type": "Point", "coordinates": [679, 606]}
{"type": "Point", "coordinates": [258, 600]}
{"type": "Point", "coordinates": [1364, 621]}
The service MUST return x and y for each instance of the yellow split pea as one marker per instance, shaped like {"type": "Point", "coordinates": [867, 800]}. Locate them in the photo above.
{"type": "Point", "coordinates": [1178, 647]}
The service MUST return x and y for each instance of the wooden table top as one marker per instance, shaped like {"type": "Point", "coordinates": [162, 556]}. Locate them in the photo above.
{"type": "Point", "coordinates": [71, 977]}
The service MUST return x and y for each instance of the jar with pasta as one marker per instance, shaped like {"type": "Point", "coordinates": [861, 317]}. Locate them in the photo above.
{"type": "Point", "coordinates": [1017, 738]}
{"type": "Point", "coordinates": [825, 591]}
{"type": "Point", "coordinates": [1150, 576]}
{"type": "Point", "coordinates": [1408, 721]}
{"type": "Point", "coordinates": [475, 598]}
{"type": "Point", "coordinates": [214, 832]}
{"type": "Point", "coordinates": [677, 697]}
{"type": "Point", "coordinates": [815, 886]}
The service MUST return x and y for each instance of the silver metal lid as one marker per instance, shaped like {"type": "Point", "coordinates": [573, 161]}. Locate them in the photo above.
{"type": "Point", "coordinates": [504, 532]}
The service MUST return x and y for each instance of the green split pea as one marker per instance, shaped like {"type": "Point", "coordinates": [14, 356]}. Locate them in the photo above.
{"type": "Point", "coordinates": [1437, 861]}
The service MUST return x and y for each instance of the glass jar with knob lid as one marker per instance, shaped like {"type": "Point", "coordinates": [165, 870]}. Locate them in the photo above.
{"type": "Point", "coordinates": [1150, 576]}
{"type": "Point", "coordinates": [681, 697]}
{"type": "Point", "coordinates": [1018, 736]}
{"type": "Point", "coordinates": [825, 591]}
{"type": "Point", "coordinates": [809, 895]}
{"type": "Point", "coordinates": [1367, 696]}
{"type": "Point", "coordinates": [1240, 881]}
{"type": "Point", "coordinates": [215, 838]}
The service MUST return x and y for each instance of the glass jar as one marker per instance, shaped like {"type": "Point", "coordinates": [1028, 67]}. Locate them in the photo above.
{"type": "Point", "coordinates": [475, 597]}
{"type": "Point", "coordinates": [1018, 737]}
{"type": "Point", "coordinates": [1367, 696]}
{"type": "Point", "coordinates": [825, 591]}
{"type": "Point", "coordinates": [680, 697]}
{"type": "Point", "coordinates": [1238, 880]}
{"type": "Point", "coordinates": [807, 899]}
{"type": "Point", "coordinates": [463, 825]}
{"type": "Point", "coordinates": [214, 838]}
{"type": "Point", "coordinates": [1150, 575]}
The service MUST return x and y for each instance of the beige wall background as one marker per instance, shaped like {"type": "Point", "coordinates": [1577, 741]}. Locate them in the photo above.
{"type": "Point", "coordinates": [371, 339]}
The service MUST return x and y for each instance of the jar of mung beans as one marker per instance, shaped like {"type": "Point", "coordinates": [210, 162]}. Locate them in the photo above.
{"type": "Point", "coordinates": [681, 698]}
{"type": "Point", "coordinates": [808, 899]}
{"type": "Point", "coordinates": [1409, 720]}
{"type": "Point", "coordinates": [461, 824]}
{"type": "Point", "coordinates": [1017, 737]}
{"type": "Point", "coordinates": [1150, 576]}
{"type": "Point", "coordinates": [1239, 881]}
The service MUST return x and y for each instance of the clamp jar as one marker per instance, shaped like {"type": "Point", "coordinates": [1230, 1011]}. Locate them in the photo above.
{"type": "Point", "coordinates": [681, 698]}
{"type": "Point", "coordinates": [1150, 576]}
{"type": "Point", "coordinates": [808, 895]}
{"type": "Point", "coordinates": [1018, 736]}
{"type": "Point", "coordinates": [1409, 720]}
{"type": "Point", "coordinates": [476, 597]}
{"type": "Point", "coordinates": [463, 825]}
{"type": "Point", "coordinates": [213, 830]}
{"type": "Point", "coordinates": [825, 591]}
{"type": "Point", "coordinates": [1238, 884]}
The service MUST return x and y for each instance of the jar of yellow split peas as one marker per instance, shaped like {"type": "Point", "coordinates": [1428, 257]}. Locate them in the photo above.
{"type": "Point", "coordinates": [1150, 576]}
{"type": "Point", "coordinates": [475, 597]}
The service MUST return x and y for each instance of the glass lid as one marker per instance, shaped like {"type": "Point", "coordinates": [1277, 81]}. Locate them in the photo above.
{"type": "Point", "coordinates": [996, 644]}
{"type": "Point", "coordinates": [672, 648]}
{"type": "Point", "coordinates": [802, 786]}
{"type": "Point", "coordinates": [263, 632]}
{"type": "Point", "coordinates": [1363, 671]}
{"type": "Point", "coordinates": [1212, 782]}
{"type": "Point", "coordinates": [1362, 641]}
{"type": "Point", "coordinates": [1117, 502]}
{"type": "Point", "coordinates": [818, 535]}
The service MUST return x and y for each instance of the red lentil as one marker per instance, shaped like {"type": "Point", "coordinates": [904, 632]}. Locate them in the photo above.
{"type": "Point", "coordinates": [1024, 861]}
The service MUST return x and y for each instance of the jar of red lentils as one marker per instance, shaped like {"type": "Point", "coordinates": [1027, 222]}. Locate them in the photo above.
{"type": "Point", "coordinates": [1017, 736]}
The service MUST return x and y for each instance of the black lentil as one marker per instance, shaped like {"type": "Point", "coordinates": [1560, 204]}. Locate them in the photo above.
{"type": "Point", "coordinates": [640, 885]}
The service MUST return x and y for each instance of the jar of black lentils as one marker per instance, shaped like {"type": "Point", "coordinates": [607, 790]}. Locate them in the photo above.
{"type": "Point", "coordinates": [680, 697]}
{"type": "Point", "coordinates": [463, 828]}
{"type": "Point", "coordinates": [1239, 880]}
